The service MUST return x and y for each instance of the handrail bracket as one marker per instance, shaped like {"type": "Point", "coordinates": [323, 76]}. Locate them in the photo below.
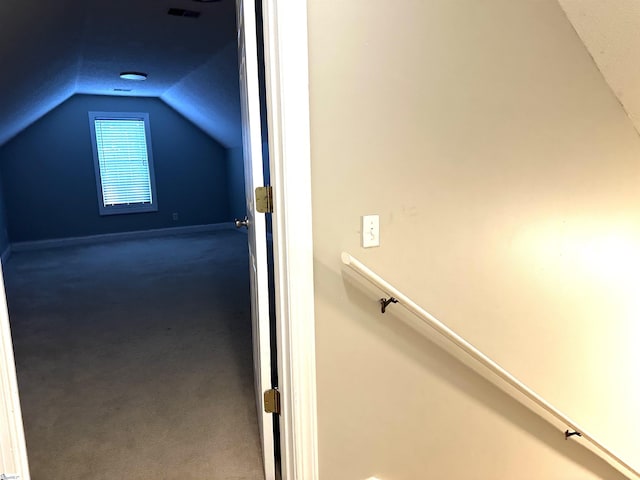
{"type": "Point", "coordinates": [569, 433]}
{"type": "Point", "coordinates": [385, 302]}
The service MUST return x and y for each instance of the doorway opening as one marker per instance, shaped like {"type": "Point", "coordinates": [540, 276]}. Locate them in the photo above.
{"type": "Point", "coordinates": [116, 298]}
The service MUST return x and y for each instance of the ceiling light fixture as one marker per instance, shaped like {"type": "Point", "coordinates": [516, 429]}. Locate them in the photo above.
{"type": "Point", "coordinates": [137, 76]}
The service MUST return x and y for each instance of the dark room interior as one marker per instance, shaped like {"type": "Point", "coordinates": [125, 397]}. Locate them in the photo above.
{"type": "Point", "coordinates": [132, 332]}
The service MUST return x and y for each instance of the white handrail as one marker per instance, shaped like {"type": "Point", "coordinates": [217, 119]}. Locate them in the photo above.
{"type": "Point", "coordinates": [597, 447]}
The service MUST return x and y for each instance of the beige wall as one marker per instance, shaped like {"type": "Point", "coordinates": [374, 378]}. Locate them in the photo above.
{"type": "Point", "coordinates": [507, 178]}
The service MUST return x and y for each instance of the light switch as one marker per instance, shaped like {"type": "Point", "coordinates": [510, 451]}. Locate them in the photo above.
{"type": "Point", "coordinates": [370, 231]}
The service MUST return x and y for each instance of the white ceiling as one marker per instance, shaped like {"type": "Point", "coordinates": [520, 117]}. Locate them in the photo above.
{"type": "Point", "coordinates": [52, 50]}
{"type": "Point", "coordinates": [610, 29]}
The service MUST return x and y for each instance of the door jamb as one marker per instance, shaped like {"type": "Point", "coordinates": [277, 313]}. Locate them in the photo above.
{"type": "Point", "coordinates": [12, 447]}
{"type": "Point", "coordinates": [287, 91]}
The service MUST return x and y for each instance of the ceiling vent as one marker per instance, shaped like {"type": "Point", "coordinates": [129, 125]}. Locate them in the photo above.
{"type": "Point", "coordinates": [182, 12]}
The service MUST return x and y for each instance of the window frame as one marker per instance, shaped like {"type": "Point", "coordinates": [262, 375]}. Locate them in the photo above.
{"type": "Point", "coordinates": [132, 207]}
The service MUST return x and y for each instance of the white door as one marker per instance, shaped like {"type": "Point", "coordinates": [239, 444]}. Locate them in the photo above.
{"type": "Point", "coordinates": [13, 450]}
{"type": "Point", "coordinates": [252, 143]}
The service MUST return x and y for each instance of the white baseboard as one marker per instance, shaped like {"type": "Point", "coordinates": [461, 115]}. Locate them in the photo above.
{"type": "Point", "coordinates": [112, 237]}
{"type": "Point", "coordinates": [5, 255]}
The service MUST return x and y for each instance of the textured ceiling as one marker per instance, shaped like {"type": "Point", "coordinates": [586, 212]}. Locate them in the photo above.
{"type": "Point", "coordinates": [610, 29]}
{"type": "Point", "coordinates": [52, 50]}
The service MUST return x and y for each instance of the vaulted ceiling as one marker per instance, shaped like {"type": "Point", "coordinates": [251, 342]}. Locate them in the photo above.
{"type": "Point", "coordinates": [50, 51]}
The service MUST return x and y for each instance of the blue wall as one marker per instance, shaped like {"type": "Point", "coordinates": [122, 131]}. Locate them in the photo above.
{"type": "Point", "coordinates": [50, 184]}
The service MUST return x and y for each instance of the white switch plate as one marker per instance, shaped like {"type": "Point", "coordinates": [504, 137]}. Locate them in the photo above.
{"type": "Point", "coordinates": [370, 231]}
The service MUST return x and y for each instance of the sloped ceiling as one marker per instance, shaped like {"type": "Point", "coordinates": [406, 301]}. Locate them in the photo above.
{"type": "Point", "coordinates": [610, 29]}
{"type": "Point", "coordinates": [52, 50]}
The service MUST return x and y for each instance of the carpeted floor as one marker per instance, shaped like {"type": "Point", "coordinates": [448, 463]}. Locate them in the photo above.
{"type": "Point", "coordinates": [134, 359]}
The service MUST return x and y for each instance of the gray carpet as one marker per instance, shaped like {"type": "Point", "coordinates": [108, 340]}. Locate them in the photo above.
{"type": "Point", "coordinates": [134, 359]}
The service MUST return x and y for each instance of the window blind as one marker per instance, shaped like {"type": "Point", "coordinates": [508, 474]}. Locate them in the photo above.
{"type": "Point", "coordinates": [123, 161]}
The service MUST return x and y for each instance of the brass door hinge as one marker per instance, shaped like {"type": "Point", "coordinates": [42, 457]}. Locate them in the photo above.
{"type": "Point", "coordinates": [272, 401]}
{"type": "Point", "coordinates": [264, 199]}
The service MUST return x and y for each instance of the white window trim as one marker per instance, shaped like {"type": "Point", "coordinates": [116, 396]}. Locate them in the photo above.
{"type": "Point", "coordinates": [131, 208]}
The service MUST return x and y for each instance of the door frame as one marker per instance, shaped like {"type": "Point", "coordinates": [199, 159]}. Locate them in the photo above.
{"type": "Point", "coordinates": [13, 450]}
{"type": "Point", "coordinates": [287, 91]}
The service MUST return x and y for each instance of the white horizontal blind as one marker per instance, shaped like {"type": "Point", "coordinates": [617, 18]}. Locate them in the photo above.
{"type": "Point", "coordinates": [123, 161]}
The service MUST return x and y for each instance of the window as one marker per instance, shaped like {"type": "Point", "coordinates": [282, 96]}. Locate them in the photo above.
{"type": "Point", "coordinates": [123, 162]}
